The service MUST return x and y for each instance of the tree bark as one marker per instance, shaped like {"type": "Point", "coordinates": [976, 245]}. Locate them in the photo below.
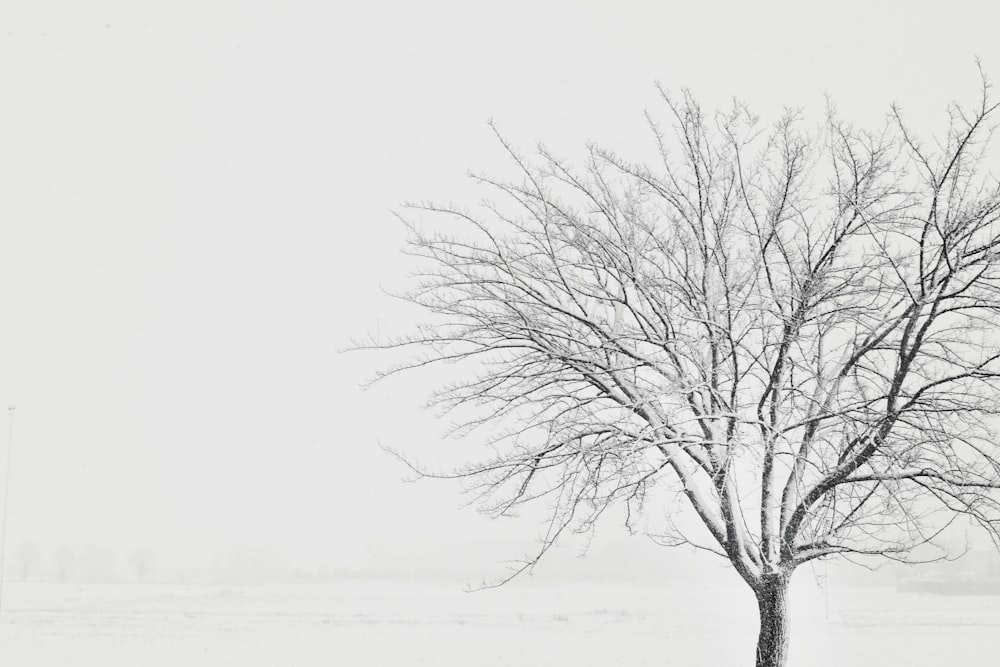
{"type": "Point", "coordinates": [772, 642]}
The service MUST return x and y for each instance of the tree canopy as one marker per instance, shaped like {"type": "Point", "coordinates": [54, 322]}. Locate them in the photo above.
{"type": "Point", "coordinates": [794, 327]}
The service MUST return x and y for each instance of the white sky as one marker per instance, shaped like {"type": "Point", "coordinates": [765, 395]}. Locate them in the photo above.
{"type": "Point", "coordinates": [195, 212]}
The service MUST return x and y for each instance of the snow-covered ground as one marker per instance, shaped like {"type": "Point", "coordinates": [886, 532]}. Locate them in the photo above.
{"type": "Point", "coordinates": [526, 624]}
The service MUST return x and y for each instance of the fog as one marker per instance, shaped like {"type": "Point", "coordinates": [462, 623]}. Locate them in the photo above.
{"type": "Point", "coordinates": [196, 210]}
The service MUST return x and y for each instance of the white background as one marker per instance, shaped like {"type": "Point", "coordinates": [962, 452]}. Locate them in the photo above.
{"type": "Point", "coordinates": [195, 217]}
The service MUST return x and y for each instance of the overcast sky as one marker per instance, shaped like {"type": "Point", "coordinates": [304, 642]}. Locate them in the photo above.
{"type": "Point", "coordinates": [195, 206]}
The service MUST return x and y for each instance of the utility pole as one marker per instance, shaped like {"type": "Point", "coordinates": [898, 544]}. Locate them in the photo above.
{"type": "Point", "coordinates": [6, 495]}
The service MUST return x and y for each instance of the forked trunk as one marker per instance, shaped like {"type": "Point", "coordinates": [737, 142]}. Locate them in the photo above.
{"type": "Point", "coordinates": [772, 642]}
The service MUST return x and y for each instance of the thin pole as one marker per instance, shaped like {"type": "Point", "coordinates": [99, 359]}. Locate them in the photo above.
{"type": "Point", "coordinates": [6, 495]}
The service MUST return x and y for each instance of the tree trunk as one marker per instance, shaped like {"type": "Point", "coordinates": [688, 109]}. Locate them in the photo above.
{"type": "Point", "coordinates": [772, 642]}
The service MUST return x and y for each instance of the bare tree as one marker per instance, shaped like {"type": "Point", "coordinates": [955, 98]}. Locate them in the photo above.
{"type": "Point", "coordinates": [143, 561]}
{"type": "Point", "coordinates": [65, 560]}
{"type": "Point", "coordinates": [28, 554]}
{"type": "Point", "coordinates": [793, 330]}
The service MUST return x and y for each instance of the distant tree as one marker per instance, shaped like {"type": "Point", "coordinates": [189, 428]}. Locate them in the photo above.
{"type": "Point", "coordinates": [142, 561]}
{"type": "Point", "coordinates": [797, 331]}
{"type": "Point", "coordinates": [28, 555]}
{"type": "Point", "coordinates": [64, 559]}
